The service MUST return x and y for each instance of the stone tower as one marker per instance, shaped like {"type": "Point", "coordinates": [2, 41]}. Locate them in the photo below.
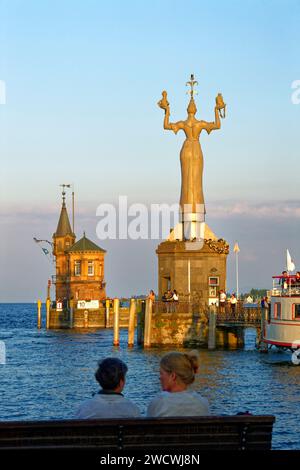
{"type": "Point", "coordinates": [79, 266]}
{"type": "Point", "coordinates": [86, 271]}
{"type": "Point", "coordinates": [63, 239]}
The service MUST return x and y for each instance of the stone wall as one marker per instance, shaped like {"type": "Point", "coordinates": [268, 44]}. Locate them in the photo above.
{"type": "Point", "coordinates": [191, 330]}
{"type": "Point", "coordinates": [179, 328]}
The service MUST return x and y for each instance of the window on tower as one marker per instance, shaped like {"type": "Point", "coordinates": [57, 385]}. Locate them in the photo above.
{"type": "Point", "coordinates": [90, 268]}
{"type": "Point", "coordinates": [77, 270]}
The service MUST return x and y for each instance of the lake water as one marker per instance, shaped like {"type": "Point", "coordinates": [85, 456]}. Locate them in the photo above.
{"type": "Point", "coordinates": [48, 373]}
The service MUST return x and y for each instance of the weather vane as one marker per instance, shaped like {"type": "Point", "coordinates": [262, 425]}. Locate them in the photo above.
{"type": "Point", "coordinates": [192, 83]}
{"type": "Point", "coordinates": [63, 191]}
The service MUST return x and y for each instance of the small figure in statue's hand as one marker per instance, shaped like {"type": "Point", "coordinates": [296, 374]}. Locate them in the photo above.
{"type": "Point", "coordinates": [163, 103]}
{"type": "Point", "coordinates": [220, 105]}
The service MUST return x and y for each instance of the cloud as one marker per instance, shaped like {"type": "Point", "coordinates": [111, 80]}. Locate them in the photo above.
{"type": "Point", "coordinates": [35, 213]}
{"type": "Point", "coordinates": [264, 210]}
{"type": "Point", "coordinates": [86, 211]}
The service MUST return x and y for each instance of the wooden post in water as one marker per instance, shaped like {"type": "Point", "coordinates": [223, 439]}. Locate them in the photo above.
{"type": "Point", "coordinates": [48, 313]}
{"type": "Point", "coordinates": [71, 313]}
{"type": "Point", "coordinates": [140, 321]}
{"type": "Point", "coordinates": [263, 347]}
{"type": "Point", "coordinates": [116, 322]}
{"type": "Point", "coordinates": [107, 307]}
{"type": "Point", "coordinates": [148, 321]}
{"type": "Point", "coordinates": [212, 327]}
{"type": "Point", "coordinates": [39, 320]}
{"type": "Point", "coordinates": [131, 323]}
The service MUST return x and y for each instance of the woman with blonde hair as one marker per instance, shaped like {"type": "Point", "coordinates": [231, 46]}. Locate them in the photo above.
{"type": "Point", "coordinates": [177, 372]}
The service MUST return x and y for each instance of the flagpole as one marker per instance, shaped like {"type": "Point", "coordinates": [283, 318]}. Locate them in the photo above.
{"type": "Point", "coordinates": [236, 250]}
{"type": "Point", "coordinates": [237, 274]}
{"type": "Point", "coordinates": [73, 208]}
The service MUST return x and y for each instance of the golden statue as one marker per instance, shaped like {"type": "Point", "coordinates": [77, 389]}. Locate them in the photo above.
{"type": "Point", "coordinates": [191, 157]}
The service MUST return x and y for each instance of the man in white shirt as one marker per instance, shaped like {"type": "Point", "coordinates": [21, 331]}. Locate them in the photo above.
{"type": "Point", "coordinates": [233, 302]}
{"type": "Point", "coordinates": [222, 300]}
{"type": "Point", "coordinates": [109, 402]}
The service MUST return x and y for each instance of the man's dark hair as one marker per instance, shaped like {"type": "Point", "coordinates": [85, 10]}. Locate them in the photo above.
{"type": "Point", "coordinates": [109, 373]}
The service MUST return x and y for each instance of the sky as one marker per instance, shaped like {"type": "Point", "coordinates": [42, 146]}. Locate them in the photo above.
{"type": "Point", "coordinates": [82, 81]}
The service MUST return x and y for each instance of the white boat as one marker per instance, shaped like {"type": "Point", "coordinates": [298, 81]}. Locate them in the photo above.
{"type": "Point", "coordinates": [281, 327]}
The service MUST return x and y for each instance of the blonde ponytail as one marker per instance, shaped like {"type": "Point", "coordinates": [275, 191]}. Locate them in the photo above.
{"type": "Point", "coordinates": [184, 365]}
{"type": "Point", "coordinates": [194, 358]}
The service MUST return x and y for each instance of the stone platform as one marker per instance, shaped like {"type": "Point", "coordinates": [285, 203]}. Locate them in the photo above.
{"type": "Point", "coordinates": [196, 270]}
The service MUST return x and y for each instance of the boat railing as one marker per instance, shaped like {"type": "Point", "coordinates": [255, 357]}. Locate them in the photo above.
{"type": "Point", "coordinates": [286, 286]}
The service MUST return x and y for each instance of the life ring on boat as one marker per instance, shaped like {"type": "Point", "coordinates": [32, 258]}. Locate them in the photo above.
{"type": "Point", "coordinates": [296, 357]}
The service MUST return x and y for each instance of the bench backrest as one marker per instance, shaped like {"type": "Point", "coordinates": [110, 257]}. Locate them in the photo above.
{"type": "Point", "coordinates": [195, 433]}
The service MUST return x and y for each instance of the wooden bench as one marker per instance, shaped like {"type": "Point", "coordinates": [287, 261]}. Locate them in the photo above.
{"type": "Point", "coordinates": [244, 432]}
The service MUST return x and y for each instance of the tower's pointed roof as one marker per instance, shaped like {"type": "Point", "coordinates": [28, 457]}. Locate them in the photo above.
{"type": "Point", "coordinates": [63, 226]}
{"type": "Point", "coordinates": [84, 244]}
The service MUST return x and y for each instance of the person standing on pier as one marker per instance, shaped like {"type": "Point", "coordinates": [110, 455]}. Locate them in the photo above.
{"type": "Point", "coordinates": [151, 295]}
{"type": "Point", "coordinates": [174, 300]}
{"type": "Point", "coordinates": [175, 297]}
{"type": "Point", "coordinates": [109, 402]}
{"type": "Point", "coordinates": [222, 300]}
{"type": "Point", "coordinates": [233, 302]}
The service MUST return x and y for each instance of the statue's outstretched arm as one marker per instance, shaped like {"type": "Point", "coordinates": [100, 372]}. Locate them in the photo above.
{"type": "Point", "coordinates": [173, 126]}
{"type": "Point", "coordinates": [211, 126]}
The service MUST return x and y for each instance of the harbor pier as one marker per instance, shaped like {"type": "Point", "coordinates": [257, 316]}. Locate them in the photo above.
{"type": "Point", "coordinates": [155, 324]}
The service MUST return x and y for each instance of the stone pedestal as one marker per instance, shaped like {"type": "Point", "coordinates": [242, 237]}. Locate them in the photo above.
{"type": "Point", "coordinates": [197, 270]}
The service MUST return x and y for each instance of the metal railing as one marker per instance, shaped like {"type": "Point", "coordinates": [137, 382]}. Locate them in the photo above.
{"type": "Point", "coordinates": [285, 286]}
{"type": "Point", "coordinates": [227, 314]}
{"type": "Point", "coordinates": [241, 315]}
{"type": "Point", "coordinates": [172, 306]}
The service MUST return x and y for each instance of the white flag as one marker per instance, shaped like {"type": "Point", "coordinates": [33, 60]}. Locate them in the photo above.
{"type": "Point", "coordinates": [290, 266]}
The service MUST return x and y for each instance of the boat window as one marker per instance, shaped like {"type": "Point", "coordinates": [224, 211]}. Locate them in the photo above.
{"type": "Point", "coordinates": [277, 310]}
{"type": "Point", "coordinates": [296, 311]}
